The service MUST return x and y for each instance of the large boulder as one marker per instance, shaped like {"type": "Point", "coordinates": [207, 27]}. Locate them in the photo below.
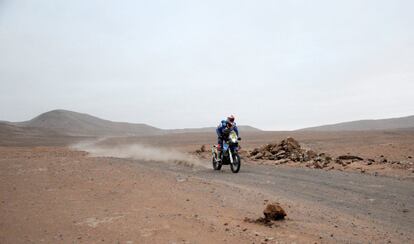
{"type": "Point", "coordinates": [274, 211]}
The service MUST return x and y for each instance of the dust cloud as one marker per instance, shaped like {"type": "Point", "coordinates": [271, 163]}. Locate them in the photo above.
{"type": "Point", "coordinates": [139, 152]}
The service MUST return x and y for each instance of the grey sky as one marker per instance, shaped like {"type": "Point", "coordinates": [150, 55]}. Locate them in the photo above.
{"type": "Point", "coordinates": [174, 64]}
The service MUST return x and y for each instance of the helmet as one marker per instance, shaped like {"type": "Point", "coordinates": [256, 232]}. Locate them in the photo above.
{"type": "Point", "coordinates": [230, 119]}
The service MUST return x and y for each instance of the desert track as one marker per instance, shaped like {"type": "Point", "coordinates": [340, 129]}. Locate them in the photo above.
{"type": "Point", "coordinates": [386, 203]}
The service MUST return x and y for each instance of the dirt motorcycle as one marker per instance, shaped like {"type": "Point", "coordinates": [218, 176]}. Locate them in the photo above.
{"type": "Point", "coordinates": [230, 152]}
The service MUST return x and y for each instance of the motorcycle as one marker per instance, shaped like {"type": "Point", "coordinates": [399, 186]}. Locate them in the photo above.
{"type": "Point", "coordinates": [230, 153]}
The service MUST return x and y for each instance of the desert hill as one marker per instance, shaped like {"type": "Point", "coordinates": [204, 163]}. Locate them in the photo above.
{"type": "Point", "coordinates": [80, 124]}
{"type": "Point", "coordinates": [242, 128]}
{"type": "Point", "coordinates": [64, 122]}
{"type": "Point", "coordinates": [13, 135]}
{"type": "Point", "coordinates": [368, 125]}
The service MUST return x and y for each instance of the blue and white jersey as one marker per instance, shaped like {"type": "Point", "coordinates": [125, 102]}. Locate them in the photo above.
{"type": "Point", "coordinates": [223, 125]}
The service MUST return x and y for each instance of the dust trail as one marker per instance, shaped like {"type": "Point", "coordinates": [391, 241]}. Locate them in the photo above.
{"type": "Point", "coordinates": [140, 152]}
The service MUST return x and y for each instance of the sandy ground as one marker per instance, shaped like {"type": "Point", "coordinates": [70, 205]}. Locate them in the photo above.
{"type": "Point", "coordinates": [63, 195]}
{"type": "Point", "coordinates": [54, 195]}
{"type": "Point", "coordinates": [57, 195]}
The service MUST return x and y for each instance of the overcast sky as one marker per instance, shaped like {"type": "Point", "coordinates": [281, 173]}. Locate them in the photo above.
{"type": "Point", "coordinates": [172, 64]}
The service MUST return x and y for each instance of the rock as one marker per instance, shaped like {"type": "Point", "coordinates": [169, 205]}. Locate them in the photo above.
{"type": "Point", "coordinates": [202, 148]}
{"type": "Point", "coordinates": [275, 149]}
{"type": "Point", "coordinates": [317, 165]}
{"type": "Point", "coordinates": [291, 144]}
{"type": "Point", "coordinates": [311, 154]}
{"type": "Point", "coordinates": [273, 157]}
{"type": "Point", "coordinates": [350, 157]}
{"type": "Point", "coordinates": [281, 154]}
{"type": "Point", "coordinates": [259, 156]}
{"type": "Point", "coordinates": [254, 152]}
{"type": "Point", "coordinates": [274, 211]}
{"type": "Point", "coordinates": [281, 161]}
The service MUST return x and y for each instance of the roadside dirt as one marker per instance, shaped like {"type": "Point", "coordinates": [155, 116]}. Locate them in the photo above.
{"type": "Point", "coordinates": [56, 194]}
{"type": "Point", "coordinates": [52, 194]}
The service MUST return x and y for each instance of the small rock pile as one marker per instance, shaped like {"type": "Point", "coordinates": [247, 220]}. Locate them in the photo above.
{"type": "Point", "coordinates": [288, 150]}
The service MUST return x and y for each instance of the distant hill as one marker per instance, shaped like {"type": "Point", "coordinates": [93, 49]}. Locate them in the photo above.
{"type": "Point", "coordinates": [242, 128]}
{"type": "Point", "coordinates": [69, 123]}
{"type": "Point", "coordinates": [12, 135]}
{"type": "Point", "coordinates": [7, 129]}
{"type": "Point", "coordinates": [79, 124]}
{"type": "Point", "coordinates": [367, 125]}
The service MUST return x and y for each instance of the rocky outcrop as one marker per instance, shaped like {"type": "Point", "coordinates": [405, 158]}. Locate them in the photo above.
{"type": "Point", "coordinates": [288, 150]}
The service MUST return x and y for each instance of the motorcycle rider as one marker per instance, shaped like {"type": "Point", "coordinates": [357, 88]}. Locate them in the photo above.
{"type": "Point", "coordinates": [225, 125]}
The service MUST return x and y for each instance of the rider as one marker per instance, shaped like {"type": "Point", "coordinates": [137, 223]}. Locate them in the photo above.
{"type": "Point", "coordinates": [225, 124]}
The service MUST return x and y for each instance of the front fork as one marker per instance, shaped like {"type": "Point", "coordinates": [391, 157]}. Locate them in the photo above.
{"type": "Point", "coordinates": [214, 152]}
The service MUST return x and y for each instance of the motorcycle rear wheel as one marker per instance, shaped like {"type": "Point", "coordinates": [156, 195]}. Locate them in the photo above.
{"type": "Point", "coordinates": [235, 166]}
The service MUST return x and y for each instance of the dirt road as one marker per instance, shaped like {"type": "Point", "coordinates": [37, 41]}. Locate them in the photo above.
{"type": "Point", "coordinates": [385, 204]}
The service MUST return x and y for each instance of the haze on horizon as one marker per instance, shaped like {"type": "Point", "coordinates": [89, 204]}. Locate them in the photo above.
{"type": "Point", "coordinates": [176, 64]}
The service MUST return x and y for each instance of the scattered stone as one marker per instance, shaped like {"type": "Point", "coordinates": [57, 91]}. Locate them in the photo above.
{"type": "Point", "coordinates": [272, 212]}
{"type": "Point", "coordinates": [317, 165]}
{"type": "Point", "coordinates": [180, 179]}
{"type": "Point", "coordinates": [280, 161]}
{"type": "Point", "coordinates": [350, 157]}
{"type": "Point", "coordinates": [202, 149]}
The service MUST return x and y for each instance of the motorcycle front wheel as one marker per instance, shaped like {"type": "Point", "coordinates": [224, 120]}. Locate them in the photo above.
{"type": "Point", "coordinates": [235, 166]}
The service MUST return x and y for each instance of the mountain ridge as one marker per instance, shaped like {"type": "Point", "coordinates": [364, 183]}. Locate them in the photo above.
{"type": "Point", "coordinates": [81, 124]}
{"type": "Point", "coordinates": [398, 123]}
